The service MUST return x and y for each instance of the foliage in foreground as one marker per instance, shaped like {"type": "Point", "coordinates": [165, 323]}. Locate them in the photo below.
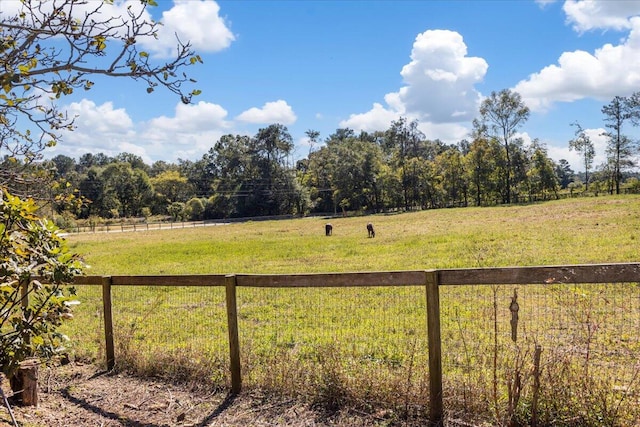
{"type": "Point", "coordinates": [35, 267]}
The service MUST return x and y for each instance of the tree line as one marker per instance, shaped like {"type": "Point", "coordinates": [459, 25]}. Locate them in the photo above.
{"type": "Point", "coordinates": [391, 170]}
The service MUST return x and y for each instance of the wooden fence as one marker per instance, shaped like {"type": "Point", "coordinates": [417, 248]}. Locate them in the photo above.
{"type": "Point", "coordinates": [432, 280]}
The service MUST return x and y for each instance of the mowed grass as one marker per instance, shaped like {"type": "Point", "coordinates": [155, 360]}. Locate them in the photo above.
{"type": "Point", "coordinates": [367, 346]}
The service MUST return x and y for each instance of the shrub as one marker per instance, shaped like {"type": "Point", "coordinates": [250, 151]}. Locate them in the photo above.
{"type": "Point", "coordinates": [35, 297]}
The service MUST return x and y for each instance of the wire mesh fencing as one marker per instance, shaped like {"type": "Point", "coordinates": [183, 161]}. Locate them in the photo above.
{"type": "Point", "coordinates": [175, 332]}
{"type": "Point", "coordinates": [357, 344]}
{"type": "Point", "coordinates": [562, 352]}
{"type": "Point", "coordinates": [533, 353]}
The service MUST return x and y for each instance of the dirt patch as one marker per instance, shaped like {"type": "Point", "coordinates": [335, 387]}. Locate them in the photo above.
{"type": "Point", "coordinates": [82, 395]}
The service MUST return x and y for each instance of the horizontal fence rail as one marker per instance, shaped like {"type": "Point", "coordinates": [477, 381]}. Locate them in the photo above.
{"type": "Point", "coordinates": [592, 273]}
{"type": "Point", "coordinates": [431, 280]}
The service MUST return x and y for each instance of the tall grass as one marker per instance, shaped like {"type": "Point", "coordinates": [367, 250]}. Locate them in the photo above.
{"type": "Point", "coordinates": [366, 347]}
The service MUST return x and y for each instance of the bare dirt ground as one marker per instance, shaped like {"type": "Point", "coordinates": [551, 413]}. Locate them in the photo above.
{"type": "Point", "coordinates": [82, 395]}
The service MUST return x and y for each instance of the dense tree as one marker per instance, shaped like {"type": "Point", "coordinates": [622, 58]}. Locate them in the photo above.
{"type": "Point", "coordinates": [48, 49]}
{"type": "Point", "coordinates": [402, 142]}
{"type": "Point", "coordinates": [520, 165]}
{"type": "Point", "coordinates": [244, 176]}
{"type": "Point", "coordinates": [131, 188]}
{"type": "Point", "coordinates": [134, 160]}
{"type": "Point", "coordinates": [170, 186]}
{"type": "Point", "coordinates": [482, 160]}
{"type": "Point", "coordinates": [452, 178]}
{"type": "Point", "coordinates": [176, 210]}
{"type": "Point", "coordinates": [64, 165]}
{"type": "Point", "coordinates": [161, 166]}
{"type": "Point", "coordinates": [344, 174]}
{"type": "Point", "coordinates": [564, 173]}
{"type": "Point", "coordinates": [501, 114]}
{"type": "Point", "coordinates": [195, 208]}
{"type": "Point", "coordinates": [91, 187]}
{"type": "Point", "coordinates": [542, 173]}
{"type": "Point", "coordinates": [269, 152]}
{"type": "Point", "coordinates": [318, 180]}
{"type": "Point", "coordinates": [88, 160]}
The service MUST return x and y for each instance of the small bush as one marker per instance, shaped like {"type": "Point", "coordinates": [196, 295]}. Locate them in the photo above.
{"type": "Point", "coordinates": [35, 269]}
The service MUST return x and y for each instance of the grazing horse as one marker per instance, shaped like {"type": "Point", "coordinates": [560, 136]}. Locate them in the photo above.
{"type": "Point", "coordinates": [328, 229]}
{"type": "Point", "coordinates": [370, 230]}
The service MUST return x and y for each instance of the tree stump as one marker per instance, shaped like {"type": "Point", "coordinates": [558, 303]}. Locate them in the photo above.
{"type": "Point", "coordinates": [24, 383]}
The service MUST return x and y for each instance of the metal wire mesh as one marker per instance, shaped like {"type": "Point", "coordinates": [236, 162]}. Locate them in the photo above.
{"type": "Point", "coordinates": [587, 336]}
{"type": "Point", "coordinates": [369, 344]}
{"type": "Point", "coordinates": [359, 343]}
{"type": "Point", "coordinates": [178, 332]}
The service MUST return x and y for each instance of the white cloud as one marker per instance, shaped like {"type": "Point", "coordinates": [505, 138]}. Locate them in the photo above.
{"type": "Point", "coordinates": [194, 21]}
{"type": "Point", "coordinates": [102, 128]}
{"type": "Point", "coordinates": [98, 128]}
{"type": "Point", "coordinates": [189, 133]}
{"type": "Point", "coordinates": [378, 118]}
{"type": "Point", "coordinates": [271, 112]}
{"type": "Point", "coordinates": [439, 89]}
{"type": "Point", "coordinates": [90, 117]}
{"type": "Point", "coordinates": [203, 116]}
{"type": "Point", "coordinates": [585, 15]}
{"type": "Point", "coordinates": [440, 78]}
{"type": "Point", "coordinates": [609, 71]}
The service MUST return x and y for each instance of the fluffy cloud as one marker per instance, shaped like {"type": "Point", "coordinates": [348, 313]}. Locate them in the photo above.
{"type": "Point", "coordinates": [603, 14]}
{"type": "Point", "coordinates": [199, 117]}
{"type": "Point", "coordinates": [271, 112]}
{"type": "Point", "coordinates": [98, 128]}
{"type": "Point", "coordinates": [102, 128]}
{"type": "Point", "coordinates": [609, 71]}
{"type": "Point", "coordinates": [440, 78]}
{"type": "Point", "coordinates": [378, 118]}
{"type": "Point", "coordinates": [195, 21]}
{"type": "Point", "coordinates": [439, 88]}
{"type": "Point", "coordinates": [99, 118]}
{"type": "Point", "coordinates": [190, 132]}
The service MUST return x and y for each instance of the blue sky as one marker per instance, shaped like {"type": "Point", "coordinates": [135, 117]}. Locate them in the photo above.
{"type": "Point", "coordinates": [324, 65]}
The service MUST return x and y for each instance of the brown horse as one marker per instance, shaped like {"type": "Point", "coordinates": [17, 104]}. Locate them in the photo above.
{"type": "Point", "coordinates": [370, 230]}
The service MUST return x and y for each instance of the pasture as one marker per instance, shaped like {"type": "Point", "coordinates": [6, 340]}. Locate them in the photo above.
{"type": "Point", "coordinates": [366, 347]}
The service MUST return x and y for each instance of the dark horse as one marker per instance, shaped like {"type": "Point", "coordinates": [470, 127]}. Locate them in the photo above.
{"type": "Point", "coordinates": [370, 230]}
{"type": "Point", "coordinates": [328, 229]}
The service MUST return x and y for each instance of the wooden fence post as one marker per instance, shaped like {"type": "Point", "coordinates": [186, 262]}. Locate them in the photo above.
{"type": "Point", "coordinates": [108, 322]}
{"type": "Point", "coordinates": [436, 415]}
{"type": "Point", "coordinates": [234, 341]}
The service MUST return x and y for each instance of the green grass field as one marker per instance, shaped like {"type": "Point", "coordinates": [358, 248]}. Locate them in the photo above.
{"type": "Point", "coordinates": [574, 231]}
{"type": "Point", "coordinates": [367, 346]}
